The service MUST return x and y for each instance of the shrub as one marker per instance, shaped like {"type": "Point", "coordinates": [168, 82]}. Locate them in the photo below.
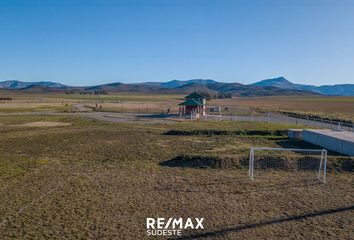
{"type": "Point", "coordinates": [227, 132]}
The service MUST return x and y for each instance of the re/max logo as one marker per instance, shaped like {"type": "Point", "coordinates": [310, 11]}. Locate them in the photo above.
{"type": "Point", "coordinates": [171, 226]}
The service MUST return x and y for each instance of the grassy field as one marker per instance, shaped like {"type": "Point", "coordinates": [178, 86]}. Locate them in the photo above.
{"type": "Point", "coordinates": [332, 108]}
{"type": "Point", "coordinates": [97, 180]}
{"type": "Point", "coordinates": [322, 106]}
{"type": "Point", "coordinates": [123, 102]}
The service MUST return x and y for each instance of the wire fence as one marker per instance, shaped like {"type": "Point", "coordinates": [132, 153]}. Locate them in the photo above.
{"type": "Point", "coordinates": [283, 118]}
{"type": "Point", "coordinates": [232, 115]}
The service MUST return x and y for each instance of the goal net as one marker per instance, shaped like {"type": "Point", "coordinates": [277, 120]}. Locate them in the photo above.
{"type": "Point", "coordinates": [300, 161]}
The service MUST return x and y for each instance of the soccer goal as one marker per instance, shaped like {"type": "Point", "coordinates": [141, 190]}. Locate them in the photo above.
{"type": "Point", "coordinates": [304, 161]}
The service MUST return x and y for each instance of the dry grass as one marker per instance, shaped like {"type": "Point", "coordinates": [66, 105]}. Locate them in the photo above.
{"type": "Point", "coordinates": [341, 108]}
{"type": "Point", "coordinates": [329, 107]}
{"type": "Point", "coordinates": [94, 180]}
{"type": "Point", "coordinates": [42, 124]}
{"type": "Point", "coordinates": [138, 107]}
{"type": "Point", "coordinates": [154, 103]}
{"type": "Point", "coordinates": [109, 202]}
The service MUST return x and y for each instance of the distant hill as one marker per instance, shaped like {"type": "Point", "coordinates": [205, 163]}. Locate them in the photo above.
{"type": "Point", "coordinates": [338, 89]}
{"type": "Point", "coordinates": [335, 90]}
{"type": "Point", "coordinates": [253, 91]}
{"type": "Point", "coordinates": [192, 87]}
{"type": "Point", "coordinates": [41, 89]}
{"type": "Point", "coordinates": [122, 87]}
{"type": "Point", "coordinates": [15, 84]}
{"type": "Point", "coordinates": [180, 83]}
{"type": "Point", "coordinates": [268, 87]}
{"type": "Point", "coordinates": [279, 82]}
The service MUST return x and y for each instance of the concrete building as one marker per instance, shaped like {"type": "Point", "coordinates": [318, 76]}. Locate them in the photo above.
{"type": "Point", "coordinates": [337, 141]}
{"type": "Point", "coordinates": [295, 133]}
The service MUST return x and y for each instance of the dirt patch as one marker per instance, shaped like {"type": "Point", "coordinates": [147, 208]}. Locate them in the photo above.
{"type": "Point", "coordinates": [43, 124]}
{"type": "Point", "coordinates": [206, 161]}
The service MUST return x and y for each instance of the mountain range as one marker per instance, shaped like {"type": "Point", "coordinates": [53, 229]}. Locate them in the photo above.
{"type": "Point", "coordinates": [334, 90]}
{"type": "Point", "coordinates": [15, 84]}
{"type": "Point", "coordinates": [268, 87]}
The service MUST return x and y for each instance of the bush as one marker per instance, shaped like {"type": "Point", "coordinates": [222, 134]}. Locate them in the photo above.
{"type": "Point", "coordinates": [207, 161]}
{"type": "Point", "coordinates": [281, 162]}
{"type": "Point", "coordinates": [242, 132]}
{"type": "Point", "coordinates": [340, 164]}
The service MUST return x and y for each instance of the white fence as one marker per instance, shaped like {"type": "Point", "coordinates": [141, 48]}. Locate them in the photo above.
{"type": "Point", "coordinates": [284, 118]}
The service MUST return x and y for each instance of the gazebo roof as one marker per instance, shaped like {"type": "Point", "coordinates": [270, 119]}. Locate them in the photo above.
{"type": "Point", "coordinates": [195, 95]}
{"type": "Point", "coordinates": [191, 102]}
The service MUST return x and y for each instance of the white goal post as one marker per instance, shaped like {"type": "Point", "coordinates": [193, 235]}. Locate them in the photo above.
{"type": "Point", "coordinates": [264, 159]}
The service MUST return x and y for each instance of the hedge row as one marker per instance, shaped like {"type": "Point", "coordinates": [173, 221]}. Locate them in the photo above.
{"type": "Point", "coordinates": [316, 116]}
{"type": "Point", "coordinates": [286, 162]}
{"type": "Point", "coordinates": [241, 132]}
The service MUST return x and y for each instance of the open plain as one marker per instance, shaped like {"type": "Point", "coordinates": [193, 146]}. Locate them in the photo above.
{"type": "Point", "coordinates": [66, 176]}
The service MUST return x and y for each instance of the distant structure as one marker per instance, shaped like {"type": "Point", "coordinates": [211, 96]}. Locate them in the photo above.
{"type": "Point", "coordinates": [194, 104]}
{"type": "Point", "coordinates": [214, 109]}
{"type": "Point", "coordinates": [5, 99]}
{"type": "Point", "coordinates": [337, 141]}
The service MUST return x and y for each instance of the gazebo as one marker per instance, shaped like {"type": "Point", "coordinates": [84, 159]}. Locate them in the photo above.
{"type": "Point", "coordinates": [194, 103]}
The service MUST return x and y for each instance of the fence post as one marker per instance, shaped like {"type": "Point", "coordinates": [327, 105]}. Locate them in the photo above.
{"type": "Point", "coordinates": [339, 126]}
{"type": "Point", "coordinates": [325, 166]}
{"type": "Point", "coordinates": [268, 117]}
{"type": "Point", "coordinates": [250, 165]}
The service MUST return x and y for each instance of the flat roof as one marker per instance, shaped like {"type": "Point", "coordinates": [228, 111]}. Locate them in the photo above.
{"type": "Point", "coordinates": [343, 135]}
{"type": "Point", "coordinates": [296, 129]}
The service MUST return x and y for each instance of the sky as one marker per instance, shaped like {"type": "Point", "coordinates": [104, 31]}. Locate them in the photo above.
{"type": "Point", "coordinates": [87, 42]}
